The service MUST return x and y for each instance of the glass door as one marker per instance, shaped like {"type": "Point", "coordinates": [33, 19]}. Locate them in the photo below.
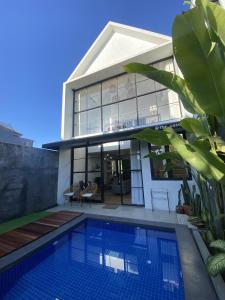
{"type": "Point", "coordinates": [111, 171]}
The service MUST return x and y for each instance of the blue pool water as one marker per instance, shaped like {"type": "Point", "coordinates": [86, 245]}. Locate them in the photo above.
{"type": "Point", "coordinates": [100, 260]}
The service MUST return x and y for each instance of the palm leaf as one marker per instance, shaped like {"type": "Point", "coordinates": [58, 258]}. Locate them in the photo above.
{"type": "Point", "coordinates": [216, 264]}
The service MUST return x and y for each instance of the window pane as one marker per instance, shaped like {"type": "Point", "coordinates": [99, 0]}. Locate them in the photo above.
{"type": "Point", "coordinates": [80, 100]}
{"type": "Point", "coordinates": [80, 124]}
{"type": "Point", "coordinates": [96, 179]}
{"type": "Point", "coordinates": [126, 86]}
{"type": "Point", "coordinates": [166, 97]}
{"type": "Point", "coordinates": [110, 117]}
{"type": "Point", "coordinates": [169, 112]}
{"type": "Point", "coordinates": [94, 96]}
{"type": "Point", "coordinates": [128, 114]}
{"type": "Point", "coordinates": [87, 122]}
{"type": "Point", "coordinates": [79, 165]}
{"type": "Point", "coordinates": [94, 121]}
{"type": "Point", "coordinates": [94, 158]}
{"type": "Point", "coordinates": [145, 86]}
{"type": "Point", "coordinates": [147, 109]}
{"type": "Point", "coordinates": [88, 98]}
{"type": "Point", "coordinates": [109, 91]}
{"type": "Point", "coordinates": [77, 177]}
{"type": "Point", "coordinates": [158, 166]}
{"type": "Point", "coordinates": [79, 153]}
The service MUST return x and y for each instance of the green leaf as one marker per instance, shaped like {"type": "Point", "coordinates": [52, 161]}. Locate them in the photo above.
{"type": "Point", "coordinates": [203, 160]}
{"type": "Point", "coordinates": [218, 244]}
{"type": "Point", "coordinates": [216, 264]}
{"type": "Point", "coordinates": [171, 81]}
{"type": "Point", "coordinates": [200, 60]}
{"type": "Point", "coordinates": [165, 155]}
{"type": "Point", "coordinates": [195, 126]}
{"type": "Point", "coordinates": [151, 136]}
{"type": "Point", "coordinates": [202, 144]}
{"type": "Point", "coordinates": [215, 16]}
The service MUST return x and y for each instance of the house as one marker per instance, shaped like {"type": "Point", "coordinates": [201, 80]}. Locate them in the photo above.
{"type": "Point", "coordinates": [11, 136]}
{"type": "Point", "coordinates": [102, 107]}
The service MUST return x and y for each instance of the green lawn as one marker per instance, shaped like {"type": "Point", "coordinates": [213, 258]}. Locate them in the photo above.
{"type": "Point", "coordinates": [15, 223]}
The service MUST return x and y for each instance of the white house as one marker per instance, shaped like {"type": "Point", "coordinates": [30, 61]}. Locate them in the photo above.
{"type": "Point", "coordinates": [103, 106]}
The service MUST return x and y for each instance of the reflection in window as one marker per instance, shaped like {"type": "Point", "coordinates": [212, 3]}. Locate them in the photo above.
{"type": "Point", "coordinates": [88, 98]}
{"type": "Point", "coordinates": [144, 85]}
{"type": "Point", "coordinates": [159, 170]}
{"type": "Point", "coordinates": [147, 109]}
{"type": "Point", "coordinates": [123, 102]}
{"type": "Point", "coordinates": [88, 122]}
{"type": "Point", "coordinates": [109, 91]}
{"type": "Point", "coordinates": [110, 117]}
{"type": "Point", "coordinates": [128, 114]}
{"type": "Point", "coordinates": [126, 86]}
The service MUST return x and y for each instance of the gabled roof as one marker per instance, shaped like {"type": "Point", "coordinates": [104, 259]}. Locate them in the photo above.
{"type": "Point", "coordinates": [115, 44]}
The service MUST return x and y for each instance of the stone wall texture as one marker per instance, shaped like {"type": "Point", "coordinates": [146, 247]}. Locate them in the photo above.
{"type": "Point", "coordinates": [28, 180]}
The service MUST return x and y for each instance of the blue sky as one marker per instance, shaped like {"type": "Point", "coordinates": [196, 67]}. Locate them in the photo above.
{"type": "Point", "coordinates": [41, 42]}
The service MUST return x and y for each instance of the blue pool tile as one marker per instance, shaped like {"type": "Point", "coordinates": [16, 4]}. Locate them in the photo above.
{"type": "Point", "coordinates": [100, 260]}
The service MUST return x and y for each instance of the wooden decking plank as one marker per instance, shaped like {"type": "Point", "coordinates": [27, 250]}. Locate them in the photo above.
{"type": "Point", "coordinates": [20, 237]}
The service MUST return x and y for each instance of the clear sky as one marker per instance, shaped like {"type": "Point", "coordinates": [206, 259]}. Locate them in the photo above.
{"type": "Point", "coordinates": [41, 42]}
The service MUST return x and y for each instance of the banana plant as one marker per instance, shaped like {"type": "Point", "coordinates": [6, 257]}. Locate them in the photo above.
{"type": "Point", "coordinates": [199, 32]}
{"type": "Point", "coordinates": [216, 263]}
{"type": "Point", "coordinates": [199, 48]}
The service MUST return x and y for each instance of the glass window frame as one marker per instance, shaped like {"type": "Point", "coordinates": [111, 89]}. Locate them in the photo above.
{"type": "Point", "coordinates": [118, 101]}
{"type": "Point", "coordinates": [170, 174]}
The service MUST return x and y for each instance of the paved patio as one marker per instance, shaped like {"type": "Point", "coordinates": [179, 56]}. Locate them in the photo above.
{"type": "Point", "coordinates": [124, 211]}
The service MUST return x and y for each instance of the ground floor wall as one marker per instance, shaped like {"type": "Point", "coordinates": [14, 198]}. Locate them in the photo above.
{"type": "Point", "coordinates": [158, 194]}
{"type": "Point", "coordinates": [28, 180]}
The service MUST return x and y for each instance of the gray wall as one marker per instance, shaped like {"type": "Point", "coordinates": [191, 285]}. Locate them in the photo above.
{"type": "Point", "coordinates": [28, 180]}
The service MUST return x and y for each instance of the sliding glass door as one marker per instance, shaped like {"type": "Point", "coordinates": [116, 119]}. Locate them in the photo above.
{"type": "Point", "coordinates": [116, 169]}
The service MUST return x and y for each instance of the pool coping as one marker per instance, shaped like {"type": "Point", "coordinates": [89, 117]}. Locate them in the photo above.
{"type": "Point", "coordinates": [197, 283]}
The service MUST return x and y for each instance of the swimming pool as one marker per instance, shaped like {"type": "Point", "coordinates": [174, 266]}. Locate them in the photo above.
{"type": "Point", "coordinates": [98, 259]}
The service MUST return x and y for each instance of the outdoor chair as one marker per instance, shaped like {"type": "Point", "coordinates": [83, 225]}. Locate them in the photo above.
{"type": "Point", "coordinates": [89, 193]}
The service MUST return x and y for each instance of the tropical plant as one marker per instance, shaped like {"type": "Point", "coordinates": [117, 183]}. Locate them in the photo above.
{"type": "Point", "coordinates": [216, 263]}
{"type": "Point", "coordinates": [199, 48]}
{"type": "Point", "coordinates": [200, 31]}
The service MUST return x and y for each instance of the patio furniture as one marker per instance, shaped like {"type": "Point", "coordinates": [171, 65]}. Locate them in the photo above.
{"type": "Point", "coordinates": [160, 195]}
{"type": "Point", "coordinates": [73, 192]}
{"type": "Point", "coordinates": [89, 193]}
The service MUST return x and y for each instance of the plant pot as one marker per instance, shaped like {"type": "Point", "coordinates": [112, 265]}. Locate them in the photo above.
{"type": "Point", "coordinates": [187, 209]}
{"type": "Point", "coordinates": [179, 209]}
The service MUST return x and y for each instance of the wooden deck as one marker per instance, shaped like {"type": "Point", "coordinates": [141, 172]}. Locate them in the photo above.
{"type": "Point", "coordinates": [21, 236]}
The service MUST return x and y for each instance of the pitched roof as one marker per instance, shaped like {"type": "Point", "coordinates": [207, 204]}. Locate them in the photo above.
{"type": "Point", "coordinates": [115, 44]}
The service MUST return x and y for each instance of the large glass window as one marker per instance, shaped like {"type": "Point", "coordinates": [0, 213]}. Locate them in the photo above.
{"type": "Point", "coordinates": [128, 113]}
{"type": "Point", "coordinates": [88, 98]}
{"type": "Point", "coordinates": [109, 91]}
{"type": "Point", "coordinates": [115, 168]}
{"type": "Point", "coordinates": [167, 168]}
{"type": "Point", "coordinates": [126, 86]}
{"type": "Point", "coordinates": [123, 102]}
{"type": "Point", "coordinates": [87, 122]}
{"type": "Point", "coordinates": [110, 117]}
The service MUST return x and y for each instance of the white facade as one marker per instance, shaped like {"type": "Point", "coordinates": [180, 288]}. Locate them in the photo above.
{"type": "Point", "coordinates": [100, 101]}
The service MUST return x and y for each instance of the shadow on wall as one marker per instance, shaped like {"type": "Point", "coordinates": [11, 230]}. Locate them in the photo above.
{"type": "Point", "coordinates": [28, 180]}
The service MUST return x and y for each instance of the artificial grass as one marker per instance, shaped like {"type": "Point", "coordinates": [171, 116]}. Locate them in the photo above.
{"type": "Point", "coordinates": [18, 222]}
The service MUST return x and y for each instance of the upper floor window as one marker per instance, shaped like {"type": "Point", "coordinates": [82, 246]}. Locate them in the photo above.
{"type": "Point", "coordinates": [126, 101]}
{"type": "Point", "coordinates": [88, 98]}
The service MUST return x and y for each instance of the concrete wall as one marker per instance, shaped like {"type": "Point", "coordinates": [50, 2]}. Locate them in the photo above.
{"type": "Point", "coordinates": [64, 174]}
{"type": "Point", "coordinates": [28, 180]}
